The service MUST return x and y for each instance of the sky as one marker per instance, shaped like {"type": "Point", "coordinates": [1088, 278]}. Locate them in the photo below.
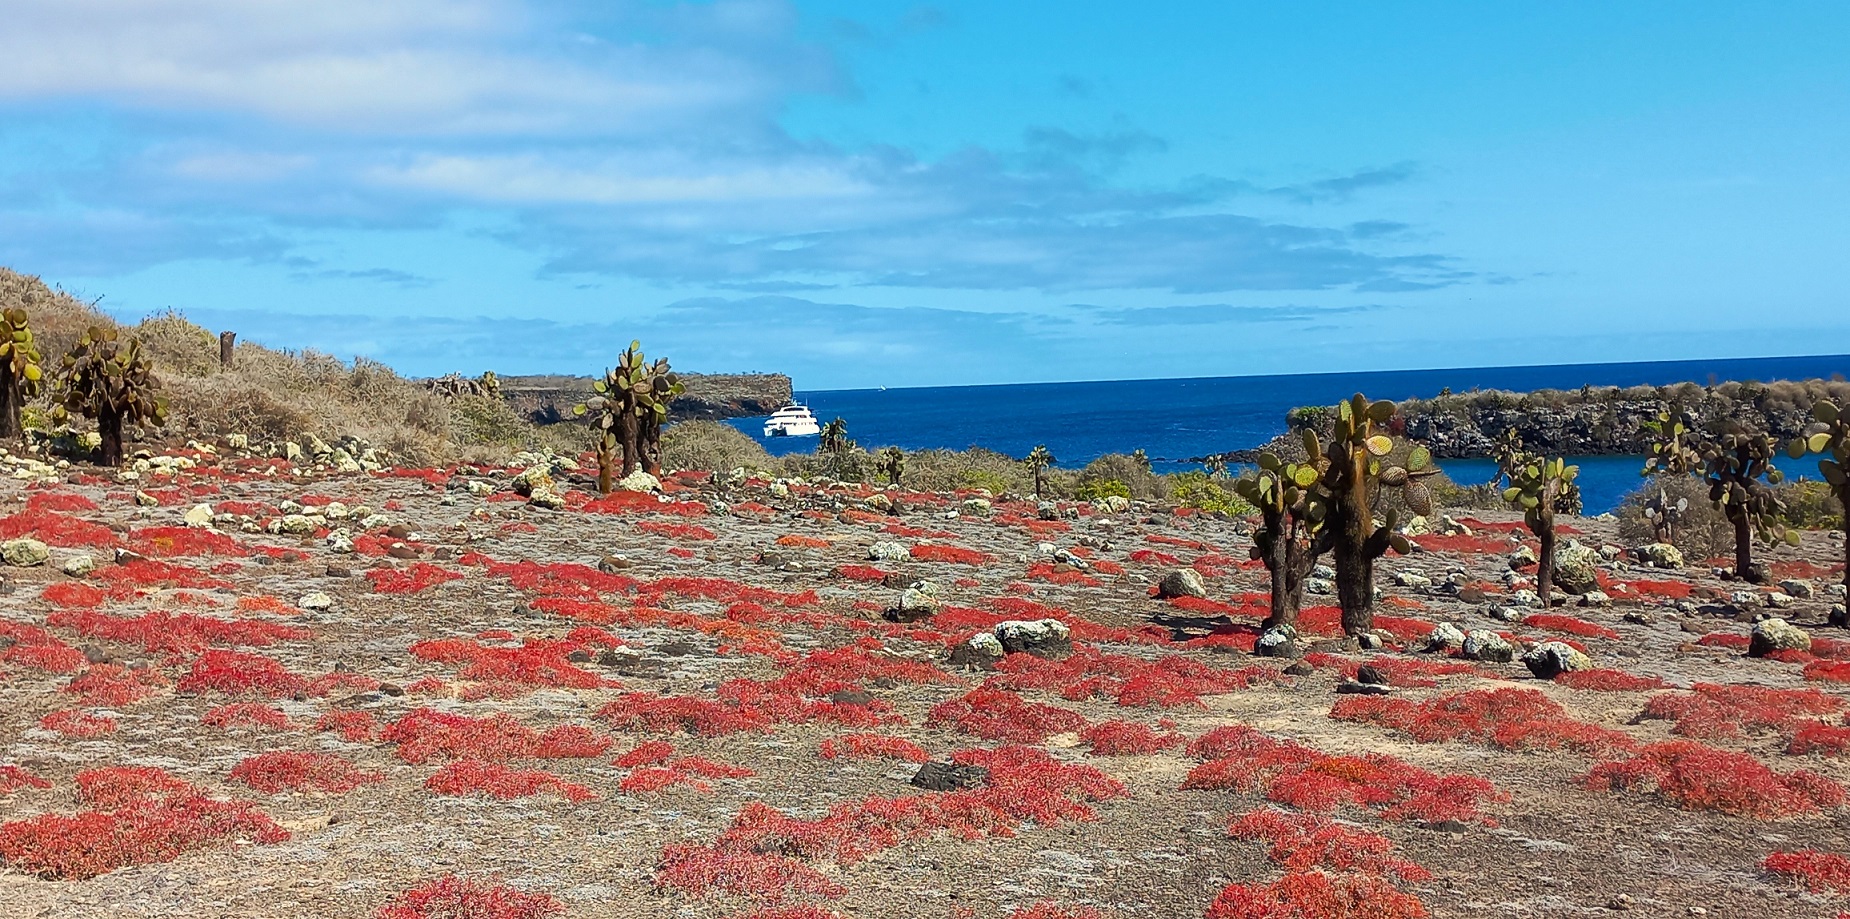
{"type": "Point", "coordinates": [866, 194]}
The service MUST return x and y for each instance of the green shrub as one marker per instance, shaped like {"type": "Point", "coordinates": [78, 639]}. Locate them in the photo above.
{"type": "Point", "coordinates": [1810, 505]}
{"type": "Point", "coordinates": [1131, 472]}
{"type": "Point", "coordinates": [948, 470]}
{"type": "Point", "coordinates": [1703, 532]}
{"type": "Point", "coordinates": [1199, 491]}
{"type": "Point", "coordinates": [1094, 489]}
{"type": "Point", "coordinates": [711, 446]}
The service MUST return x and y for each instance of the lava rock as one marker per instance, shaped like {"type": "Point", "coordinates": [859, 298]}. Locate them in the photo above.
{"type": "Point", "coordinates": [1772, 635]}
{"type": "Point", "coordinates": [1553, 658]}
{"type": "Point", "coordinates": [1181, 582]}
{"type": "Point", "coordinates": [1045, 638]}
{"type": "Point", "coordinates": [935, 776]}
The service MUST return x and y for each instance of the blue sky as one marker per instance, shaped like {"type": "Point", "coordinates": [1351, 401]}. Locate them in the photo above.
{"type": "Point", "coordinates": [865, 194]}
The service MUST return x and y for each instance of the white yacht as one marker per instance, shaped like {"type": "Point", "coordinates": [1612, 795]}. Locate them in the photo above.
{"type": "Point", "coordinates": [792, 421]}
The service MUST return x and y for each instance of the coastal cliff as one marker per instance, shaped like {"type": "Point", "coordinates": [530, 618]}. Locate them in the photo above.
{"type": "Point", "coordinates": [713, 396]}
{"type": "Point", "coordinates": [1592, 421]}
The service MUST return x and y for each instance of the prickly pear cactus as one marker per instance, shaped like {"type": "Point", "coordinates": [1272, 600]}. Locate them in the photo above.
{"type": "Point", "coordinates": [628, 406]}
{"type": "Point", "coordinates": [1738, 466]}
{"type": "Point", "coordinates": [110, 381]}
{"type": "Point", "coordinates": [1541, 487]}
{"type": "Point", "coordinates": [1829, 436]}
{"type": "Point", "coordinates": [1292, 510]}
{"type": "Point", "coordinates": [21, 376]}
{"type": "Point", "coordinates": [1039, 459]}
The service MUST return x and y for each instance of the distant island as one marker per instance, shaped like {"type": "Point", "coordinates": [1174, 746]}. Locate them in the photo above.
{"type": "Point", "coordinates": [710, 396]}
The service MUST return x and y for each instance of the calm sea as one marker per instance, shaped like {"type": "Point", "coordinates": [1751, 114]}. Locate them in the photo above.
{"type": "Point", "coordinates": [1175, 419]}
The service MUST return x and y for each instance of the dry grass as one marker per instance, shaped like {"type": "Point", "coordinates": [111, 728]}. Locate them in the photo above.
{"type": "Point", "coordinates": [273, 395]}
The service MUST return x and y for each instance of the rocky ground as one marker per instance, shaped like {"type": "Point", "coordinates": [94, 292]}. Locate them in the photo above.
{"type": "Point", "coordinates": [715, 702]}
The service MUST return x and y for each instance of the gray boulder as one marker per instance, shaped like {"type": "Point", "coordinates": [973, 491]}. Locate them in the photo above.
{"type": "Point", "coordinates": [1278, 641]}
{"type": "Point", "coordinates": [887, 551]}
{"type": "Point", "coordinates": [1577, 568]}
{"type": "Point", "coordinates": [1047, 638]}
{"type": "Point", "coordinates": [1553, 658]}
{"type": "Point", "coordinates": [1485, 645]}
{"type": "Point", "coordinates": [1772, 635]}
{"type": "Point", "coordinates": [1444, 637]}
{"type": "Point", "coordinates": [1181, 582]}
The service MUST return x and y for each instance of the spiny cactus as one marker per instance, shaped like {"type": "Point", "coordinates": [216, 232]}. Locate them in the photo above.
{"type": "Point", "coordinates": [1541, 487]}
{"type": "Point", "coordinates": [1291, 535]}
{"type": "Point", "coordinates": [1039, 459]}
{"type": "Point", "coordinates": [629, 405]}
{"type": "Point", "coordinates": [111, 382]}
{"type": "Point", "coordinates": [20, 374]}
{"type": "Point", "coordinates": [1738, 466]}
{"type": "Point", "coordinates": [1352, 472]}
{"type": "Point", "coordinates": [835, 444]}
{"type": "Point", "coordinates": [489, 384]}
{"type": "Point", "coordinates": [1829, 434]}
{"type": "Point", "coordinates": [892, 464]}
{"type": "Point", "coordinates": [1507, 452]}
{"type": "Point", "coordinates": [1664, 515]}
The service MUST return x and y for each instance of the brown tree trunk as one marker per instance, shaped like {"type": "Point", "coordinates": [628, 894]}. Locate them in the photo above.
{"type": "Point", "coordinates": [226, 341]}
{"type": "Point", "coordinates": [630, 439]}
{"type": "Point", "coordinates": [1743, 546]}
{"type": "Point", "coordinates": [109, 425]}
{"type": "Point", "coordinates": [9, 406]}
{"type": "Point", "coordinates": [1545, 577]}
{"type": "Point", "coordinates": [1355, 564]}
{"type": "Point", "coordinates": [605, 460]}
{"type": "Point", "coordinates": [1037, 483]}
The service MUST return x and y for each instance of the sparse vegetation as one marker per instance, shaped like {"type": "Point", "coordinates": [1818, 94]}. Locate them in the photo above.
{"type": "Point", "coordinates": [712, 446]}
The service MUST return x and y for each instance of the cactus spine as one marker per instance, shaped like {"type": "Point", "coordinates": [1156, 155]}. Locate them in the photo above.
{"type": "Point", "coordinates": [1829, 435]}
{"type": "Point", "coordinates": [1541, 487]}
{"type": "Point", "coordinates": [21, 376]}
{"type": "Point", "coordinates": [1039, 459]}
{"type": "Point", "coordinates": [112, 383]}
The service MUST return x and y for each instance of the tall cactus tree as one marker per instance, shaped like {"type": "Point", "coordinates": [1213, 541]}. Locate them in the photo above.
{"type": "Point", "coordinates": [629, 405]}
{"type": "Point", "coordinates": [1541, 487]}
{"type": "Point", "coordinates": [1738, 466]}
{"type": "Point", "coordinates": [892, 464]}
{"type": "Point", "coordinates": [1829, 434]}
{"type": "Point", "coordinates": [1291, 534]}
{"type": "Point", "coordinates": [1352, 471]}
{"type": "Point", "coordinates": [1039, 460]}
{"type": "Point", "coordinates": [835, 444]}
{"type": "Point", "coordinates": [21, 376]}
{"type": "Point", "coordinates": [111, 382]}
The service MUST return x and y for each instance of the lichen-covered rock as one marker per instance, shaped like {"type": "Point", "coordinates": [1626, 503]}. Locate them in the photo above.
{"type": "Point", "coordinates": [1577, 568]}
{"type": "Point", "coordinates": [1444, 637]}
{"type": "Point", "coordinates": [887, 551]}
{"type": "Point", "coordinates": [1595, 598]}
{"type": "Point", "coordinates": [1780, 600]}
{"type": "Point", "coordinates": [1046, 638]}
{"type": "Point", "coordinates": [1181, 582]}
{"type": "Point", "coordinates": [1659, 555]}
{"type": "Point", "coordinates": [199, 516]}
{"type": "Point", "coordinates": [1523, 557]}
{"type": "Point", "coordinates": [1486, 645]}
{"type": "Point", "coordinates": [977, 507]}
{"type": "Point", "coordinates": [1553, 658]}
{"type": "Point", "coordinates": [1523, 597]}
{"type": "Point", "coordinates": [315, 602]}
{"type": "Point", "coordinates": [1412, 580]}
{"type": "Point", "coordinates": [639, 481]}
{"type": "Point", "coordinates": [78, 566]}
{"type": "Point", "coordinates": [25, 552]}
{"type": "Point", "coordinates": [1794, 587]}
{"type": "Point", "coordinates": [1775, 634]}
{"type": "Point", "coordinates": [982, 651]}
{"type": "Point", "coordinates": [546, 496]}
{"type": "Point", "coordinates": [1277, 641]}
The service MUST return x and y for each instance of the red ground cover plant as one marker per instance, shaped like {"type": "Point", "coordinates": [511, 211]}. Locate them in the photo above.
{"type": "Point", "coordinates": [354, 727]}
{"type": "Point", "coordinates": [1462, 544]}
{"type": "Point", "coordinates": [1129, 738]}
{"type": "Point", "coordinates": [125, 580]}
{"type": "Point", "coordinates": [1609, 681]}
{"type": "Point", "coordinates": [1828, 671]}
{"type": "Point", "coordinates": [861, 573]}
{"type": "Point", "coordinates": [1047, 909]}
{"type": "Point", "coordinates": [161, 631]}
{"type": "Point", "coordinates": [1509, 719]}
{"type": "Point", "coordinates": [1817, 737]}
{"type": "Point", "coordinates": [1240, 758]}
{"type": "Point", "coordinates": [1555, 622]}
{"type": "Point", "coordinates": [1711, 711]}
{"type": "Point", "coordinates": [264, 603]}
{"type": "Point", "coordinates": [1168, 681]}
{"type": "Point", "coordinates": [470, 776]}
{"type": "Point", "coordinates": [1409, 672]}
{"type": "Point", "coordinates": [424, 734]}
{"type": "Point", "coordinates": [32, 646]}
{"type": "Point", "coordinates": [78, 724]}
{"type": "Point", "coordinates": [288, 771]}
{"type": "Point", "coordinates": [1316, 895]}
{"type": "Point", "coordinates": [872, 746]}
{"type": "Point", "coordinates": [509, 672]}
{"type": "Point", "coordinates": [994, 713]}
{"type": "Point", "coordinates": [1327, 621]}
{"type": "Point", "coordinates": [113, 685]}
{"type": "Point", "coordinates": [636, 502]}
{"type": "Point", "coordinates": [246, 715]}
{"type": "Point", "coordinates": [796, 541]}
{"type": "Point", "coordinates": [647, 711]}
{"type": "Point", "coordinates": [13, 778]}
{"type": "Point", "coordinates": [71, 501]}
{"type": "Point", "coordinates": [952, 554]}
{"type": "Point", "coordinates": [1304, 841]}
{"type": "Point", "coordinates": [239, 674]}
{"type": "Point", "coordinates": [697, 870]}
{"type": "Point", "coordinates": [73, 593]}
{"type": "Point", "coordinates": [686, 531]}
{"type": "Point", "coordinates": [140, 816]}
{"type": "Point", "coordinates": [1820, 872]}
{"type": "Point", "coordinates": [418, 578]}
{"type": "Point", "coordinates": [175, 542]}
{"type": "Point", "coordinates": [451, 897]}
{"type": "Point", "coordinates": [55, 529]}
{"type": "Point", "coordinates": [1695, 776]}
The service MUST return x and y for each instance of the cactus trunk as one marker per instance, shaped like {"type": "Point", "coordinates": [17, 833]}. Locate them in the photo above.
{"type": "Point", "coordinates": [1355, 562]}
{"type": "Point", "coordinates": [1289, 562]}
{"type": "Point", "coordinates": [9, 406]}
{"type": "Point", "coordinates": [1545, 575]}
{"type": "Point", "coordinates": [109, 426]}
{"type": "Point", "coordinates": [1743, 546]}
{"type": "Point", "coordinates": [605, 460]}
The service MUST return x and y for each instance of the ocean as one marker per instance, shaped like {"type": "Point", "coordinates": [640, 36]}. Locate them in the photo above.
{"type": "Point", "coordinates": [1171, 420]}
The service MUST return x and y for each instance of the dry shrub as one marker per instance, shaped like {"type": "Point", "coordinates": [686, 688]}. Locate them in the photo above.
{"type": "Point", "coordinates": [1704, 531]}
{"type": "Point", "coordinates": [948, 470]}
{"type": "Point", "coordinates": [712, 446]}
{"type": "Point", "coordinates": [1144, 485]}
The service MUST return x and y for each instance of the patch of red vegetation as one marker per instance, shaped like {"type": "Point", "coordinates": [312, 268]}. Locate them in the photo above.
{"type": "Point", "coordinates": [1828, 671]}
{"type": "Point", "coordinates": [1129, 738]}
{"type": "Point", "coordinates": [78, 724]}
{"type": "Point", "coordinates": [14, 778]}
{"type": "Point", "coordinates": [1301, 842]}
{"type": "Point", "coordinates": [994, 713]}
{"type": "Point", "coordinates": [418, 578]}
{"type": "Point", "coordinates": [34, 647]}
{"type": "Point", "coordinates": [73, 594]}
{"type": "Point", "coordinates": [424, 734]}
{"type": "Point", "coordinates": [1241, 758]}
{"type": "Point", "coordinates": [1710, 710]}
{"type": "Point", "coordinates": [451, 897]}
{"type": "Point", "coordinates": [1820, 872]}
{"type": "Point", "coordinates": [872, 746]}
{"type": "Point", "coordinates": [1316, 895]}
{"type": "Point", "coordinates": [58, 501]}
{"type": "Point", "coordinates": [1609, 681]}
{"type": "Point", "coordinates": [1461, 544]}
{"type": "Point", "coordinates": [684, 531]}
{"type": "Point", "coordinates": [1817, 737]}
{"type": "Point", "coordinates": [247, 715]}
{"type": "Point", "coordinates": [1153, 557]}
{"type": "Point", "coordinates": [141, 816]}
{"type": "Point", "coordinates": [176, 542]}
{"type": "Point", "coordinates": [955, 555]}
{"type": "Point", "coordinates": [471, 777]}
{"type": "Point", "coordinates": [636, 502]}
{"type": "Point", "coordinates": [161, 631]}
{"type": "Point", "coordinates": [1328, 621]}
{"type": "Point", "coordinates": [1508, 719]}
{"type": "Point", "coordinates": [510, 672]}
{"type": "Point", "coordinates": [698, 870]}
{"type": "Point", "coordinates": [861, 573]}
{"type": "Point", "coordinates": [113, 685]}
{"type": "Point", "coordinates": [238, 674]}
{"type": "Point", "coordinates": [55, 529]}
{"type": "Point", "coordinates": [796, 541]}
{"type": "Point", "coordinates": [1409, 672]}
{"type": "Point", "coordinates": [1061, 574]}
{"type": "Point", "coordinates": [288, 771]}
{"type": "Point", "coordinates": [1570, 625]}
{"type": "Point", "coordinates": [1168, 681]}
{"type": "Point", "coordinates": [1669, 590]}
{"type": "Point", "coordinates": [1695, 776]}
{"type": "Point", "coordinates": [354, 727]}
{"type": "Point", "coordinates": [124, 580]}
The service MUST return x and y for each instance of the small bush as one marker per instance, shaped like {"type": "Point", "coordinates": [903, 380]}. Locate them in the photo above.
{"type": "Point", "coordinates": [455, 898]}
{"type": "Point", "coordinates": [1694, 776]}
{"type": "Point", "coordinates": [1096, 489]}
{"type": "Point", "coordinates": [1199, 491]}
{"type": "Point", "coordinates": [1703, 531]}
{"type": "Point", "coordinates": [1810, 505]}
{"type": "Point", "coordinates": [1133, 473]}
{"type": "Point", "coordinates": [712, 446]}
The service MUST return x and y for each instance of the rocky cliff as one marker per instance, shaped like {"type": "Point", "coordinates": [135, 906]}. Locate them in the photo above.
{"type": "Point", "coordinates": [549, 399]}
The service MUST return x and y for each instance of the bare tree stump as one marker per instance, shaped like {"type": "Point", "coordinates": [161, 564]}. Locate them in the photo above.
{"type": "Point", "coordinates": [225, 342]}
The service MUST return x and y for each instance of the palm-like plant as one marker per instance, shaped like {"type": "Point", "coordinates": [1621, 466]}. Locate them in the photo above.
{"type": "Point", "coordinates": [1039, 460]}
{"type": "Point", "coordinates": [20, 373]}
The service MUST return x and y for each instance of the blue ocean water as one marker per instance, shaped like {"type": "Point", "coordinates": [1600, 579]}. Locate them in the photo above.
{"type": "Point", "coordinates": [1174, 419]}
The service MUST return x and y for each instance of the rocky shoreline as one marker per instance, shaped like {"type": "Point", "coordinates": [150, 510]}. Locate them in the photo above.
{"type": "Point", "coordinates": [709, 396]}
